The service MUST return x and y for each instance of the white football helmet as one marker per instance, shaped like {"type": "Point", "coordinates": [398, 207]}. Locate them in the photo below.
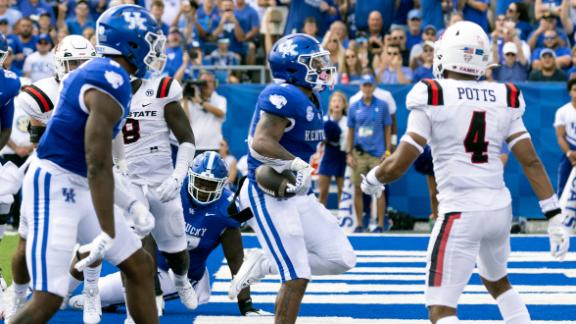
{"type": "Point", "coordinates": [463, 48]}
{"type": "Point", "coordinates": [72, 49]}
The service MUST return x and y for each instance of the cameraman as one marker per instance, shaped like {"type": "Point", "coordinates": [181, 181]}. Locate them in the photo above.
{"type": "Point", "coordinates": [206, 111]}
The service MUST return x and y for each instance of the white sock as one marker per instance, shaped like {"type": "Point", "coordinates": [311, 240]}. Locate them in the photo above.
{"type": "Point", "coordinates": [448, 320]}
{"type": "Point", "coordinates": [2, 230]}
{"type": "Point", "coordinates": [73, 283]}
{"type": "Point", "coordinates": [512, 308]}
{"type": "Point", "coordinates": [20, 290]}
{"type": "Point", "coordinates": [91, 276]}
{"type": "Point", "coordinates": [180, 280]}
{"type": "Point", "coordinates": [268, 267]}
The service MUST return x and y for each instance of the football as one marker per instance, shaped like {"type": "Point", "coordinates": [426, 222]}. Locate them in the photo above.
{"type": "Point", "coordinates": [274, 183]}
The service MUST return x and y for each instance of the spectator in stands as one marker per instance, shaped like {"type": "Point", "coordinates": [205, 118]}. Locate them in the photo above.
{"type": "Point", "coordinates": [229, 27]}
{"type": "Point", "coordinates": [157, 11]}
{"type": "Point", "coordinates": [191, 60]}
{"type": "Point", "coordinates": [350, 71]}
{"type": "Point", "coordinates": [564, 121]}
{"type": "Point", "coordinates": [424, 70]}
{"type": "Point", "coordinates": [453, 17]}
{"type": "Point", "coordinates": [513, 68]}
{"type": "Point", "coordinates": [398, 37]}
{"type": "Point", "coordinates": [186, 19]}
{"type": "Point", "coordinates": [546, 23]}
{"type": "Point", "coordinates": [548, 69]}
{"type": "Point", "coordinates": [230, 160]}
{"type": "Point", "coordinates": [174, 51]}
{"type": "Point", "coordinates": [432, 13]}
{"type": "Point", "coordinates": [332, 44]}
{"type": "Point", "coordinates": [321, 10]}
{"type": "Point", "coordinates": [572, 71]}
{"type": "Point", "coordinates": [477, 11]}
{"type": "Point", "coordinates": [375, 35]}
{"type": "Point", "coordinates": [338, 30]}
{"type": "Point", "coordinates": [35, 8]}
{"type": "Point", "coordinates": [333, 163]}
{"type": "Point", "coordinates": [509, 33]}
{"type": "Point", "coordinates": [368, 142]}
{"type": "Point", "coordinates": [541, 7]}
{"type": "Point", "coordinates": [26, 41]}
{"type": "Point", "coordinates": [429, 35]}
{"type": "Point", "coordinates": [273, 23]}
{"type": "Point", "coordinates": [171, 10]}
{"type": "Point", "coordinates": [414, 34]}
{"type": "Point", "coordinates": [364, 9]}
{"type": "Point", "coordinates": [311, 28]}
{"type": "Point", "coordinates": [206, 112]}
{"type": "Point", "coordinates": [45, 26]}
{"type": "Point", "coordinates": [250, 23]}
{"type": "Point", "coordinates": [81, 20]}
{"type": "Point", "coordinates": [40, 64]}
{"type": "Point", "coordinates": [552, 42]}
{"type": "Point", "coordinates": [222, 56]}
{"type": "Point", "coordinates": [518, 13]}
{"type": "Point", "coordinates": [208, 18]}
{"type": "Point", "coordinates": [390, 69]}
{"type": "Point", "coordinates": [9, 14]}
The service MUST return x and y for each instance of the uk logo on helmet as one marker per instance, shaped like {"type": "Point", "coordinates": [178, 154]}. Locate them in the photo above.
{"type": "Point", "coordinates": [134, 19]}
{"type": "Point", "coordinates": [287, 48]}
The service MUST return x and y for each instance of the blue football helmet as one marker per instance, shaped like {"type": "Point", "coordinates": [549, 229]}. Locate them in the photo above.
{"type": "Point", "coordinates": [3, 49]}
{"type": "Point", "coordinates": [207, 177]}
{"type": "Point", "coordinates": [132, 32]}
{"type": "Point", "coordinates": [300, 60]}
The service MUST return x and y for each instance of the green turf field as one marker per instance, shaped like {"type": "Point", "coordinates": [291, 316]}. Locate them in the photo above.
{"type": "Point", "coordinates": [7, 245]}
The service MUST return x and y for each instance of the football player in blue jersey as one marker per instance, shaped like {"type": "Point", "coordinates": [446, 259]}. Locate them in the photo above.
{"type": "Point", "coordinates": [10, 88]}
{"type": "Point", "coordinates": [212, 218]}
{"type": "Point", "coordinates": [70, 183]}
{"type": "Point", "coordinates": [298, 232]}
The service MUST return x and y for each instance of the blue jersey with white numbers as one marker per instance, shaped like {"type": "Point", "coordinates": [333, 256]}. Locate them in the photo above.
{"type": "Point", "coordinates": [306, 128]}
{"type": "Point", "coordinates": [204, 226]}
{"type": "Point", "coordinates": [10, 88]}
{"type": "Point", "coordinates": [63, 140]}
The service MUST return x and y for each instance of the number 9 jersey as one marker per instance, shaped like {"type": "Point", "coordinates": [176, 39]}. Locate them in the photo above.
{"type": "Point", "coordinates": [466, 123]}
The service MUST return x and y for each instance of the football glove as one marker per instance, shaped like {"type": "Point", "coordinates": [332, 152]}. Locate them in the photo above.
{"type": "Point", "coordinates": [140, 219]}
{"type": "Point", "coordinates": [370, 184]}
{"type": "Point", "coordinates": [560, 229]}
{"type": "Point", "coordinates": [303, 177]}
{"type": "Point", "coordinates": [97, 248]}
{"type": "Point", "coordinates": [169, 189]}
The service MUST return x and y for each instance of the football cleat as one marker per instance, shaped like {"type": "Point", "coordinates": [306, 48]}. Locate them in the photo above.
{"type": "Point", "coordinates": [92, 306]}
{"type": "Point", "coordinates": [249, 273]}
{"type": "Point", "coordinates": [187, 295]}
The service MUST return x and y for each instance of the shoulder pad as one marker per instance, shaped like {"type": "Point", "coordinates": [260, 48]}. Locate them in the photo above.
{"type": "Point", "coordinates": [417, 98]}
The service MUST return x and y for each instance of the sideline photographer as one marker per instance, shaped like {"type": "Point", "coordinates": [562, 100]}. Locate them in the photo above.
{"type": "Point", "coordinates": [206, 110]}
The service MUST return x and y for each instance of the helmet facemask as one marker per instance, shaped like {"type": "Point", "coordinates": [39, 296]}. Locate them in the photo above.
{"type": "Point", "coordinates": [155, 60]}
{"type": "Point", "coordinates": [320, 71]}
{"type": "Point", "coordinates": [3, 56]}
{"type": "Point", "coordinates": [204, 188]}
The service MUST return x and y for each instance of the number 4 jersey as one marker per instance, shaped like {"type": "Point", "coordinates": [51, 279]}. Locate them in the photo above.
{"type": "Point", "coordinates": [146, 133]}
{"type": "Point", "coordinates": [466, 123]}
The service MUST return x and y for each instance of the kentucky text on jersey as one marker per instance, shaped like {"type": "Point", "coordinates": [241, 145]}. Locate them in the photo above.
{"type": "Point", "coordinates": [476, 94]}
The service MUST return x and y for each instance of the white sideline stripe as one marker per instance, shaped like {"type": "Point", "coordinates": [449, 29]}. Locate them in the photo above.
{"type": "Point", "coordinates": [407, 299]}
{"type": "Point", "coordinates": [331, 320]}
{"type": "Point", "coordinates": [316, 287]}
{"type": "Point", "coordinates": [513, 258]}
{"type": "Point", "coordinates": [423, 253]}
{"type": "Point", "coordinates": [402, 277]}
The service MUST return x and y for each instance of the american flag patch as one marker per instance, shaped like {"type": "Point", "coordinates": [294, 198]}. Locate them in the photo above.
{"type": "Point", "coordinates": [470, 50]}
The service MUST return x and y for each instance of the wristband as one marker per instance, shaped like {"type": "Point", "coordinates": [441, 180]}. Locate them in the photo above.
{"type": "Point", "coordinates": [518, 139]}
{"type": "Point", "coordinates": [371, 177]}
{"type": "Point", "coordinates": [387, 153]}
{"type": "Point", "coordinates": [550, 207]}
{"type": "Point", "coordinates": [408, 139]}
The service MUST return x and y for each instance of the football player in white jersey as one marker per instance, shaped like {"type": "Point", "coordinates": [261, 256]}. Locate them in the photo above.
{"type": "Point", "coordinates": [155, 111]}
{"type": "Point", "coordinates": [466, 121]}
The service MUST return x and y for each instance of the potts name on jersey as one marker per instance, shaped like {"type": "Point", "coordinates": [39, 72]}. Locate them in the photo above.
{"type": "Point", "coordinates": [146, 132]}
{"type": "Point", "coordinates": [306, 127]}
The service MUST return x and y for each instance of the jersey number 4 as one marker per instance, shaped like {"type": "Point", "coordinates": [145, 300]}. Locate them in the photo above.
{"type": "Point", "coordinates": [475, 141]}
{"type": "Point", "coordinates": [131, 131]}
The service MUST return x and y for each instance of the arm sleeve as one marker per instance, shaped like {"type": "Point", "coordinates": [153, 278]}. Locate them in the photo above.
{"type": "Point", "coordinates": [419, 123]}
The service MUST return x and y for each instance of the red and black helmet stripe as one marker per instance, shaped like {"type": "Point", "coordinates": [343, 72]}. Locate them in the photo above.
{"type": "Point", "coordinates": [439, 251]}
{"type": "Point", "coordinates": [164, 87]}
{"type": "Point", "coordinates": [512, 95]}
{"type": "Point", "coordinates": [40, 97]}
{"type": "Point", "coordinates": [435, 92]}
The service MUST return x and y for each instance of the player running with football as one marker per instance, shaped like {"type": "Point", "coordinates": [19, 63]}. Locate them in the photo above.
{"type": "Point", "coordinates": [298, 232]}
{"type": "Point", "coordinates": [212, 218]}
{"type": "Point", "coordinates": [70, 185]}
{"type": "Point", "coordinates": [465, 122]}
